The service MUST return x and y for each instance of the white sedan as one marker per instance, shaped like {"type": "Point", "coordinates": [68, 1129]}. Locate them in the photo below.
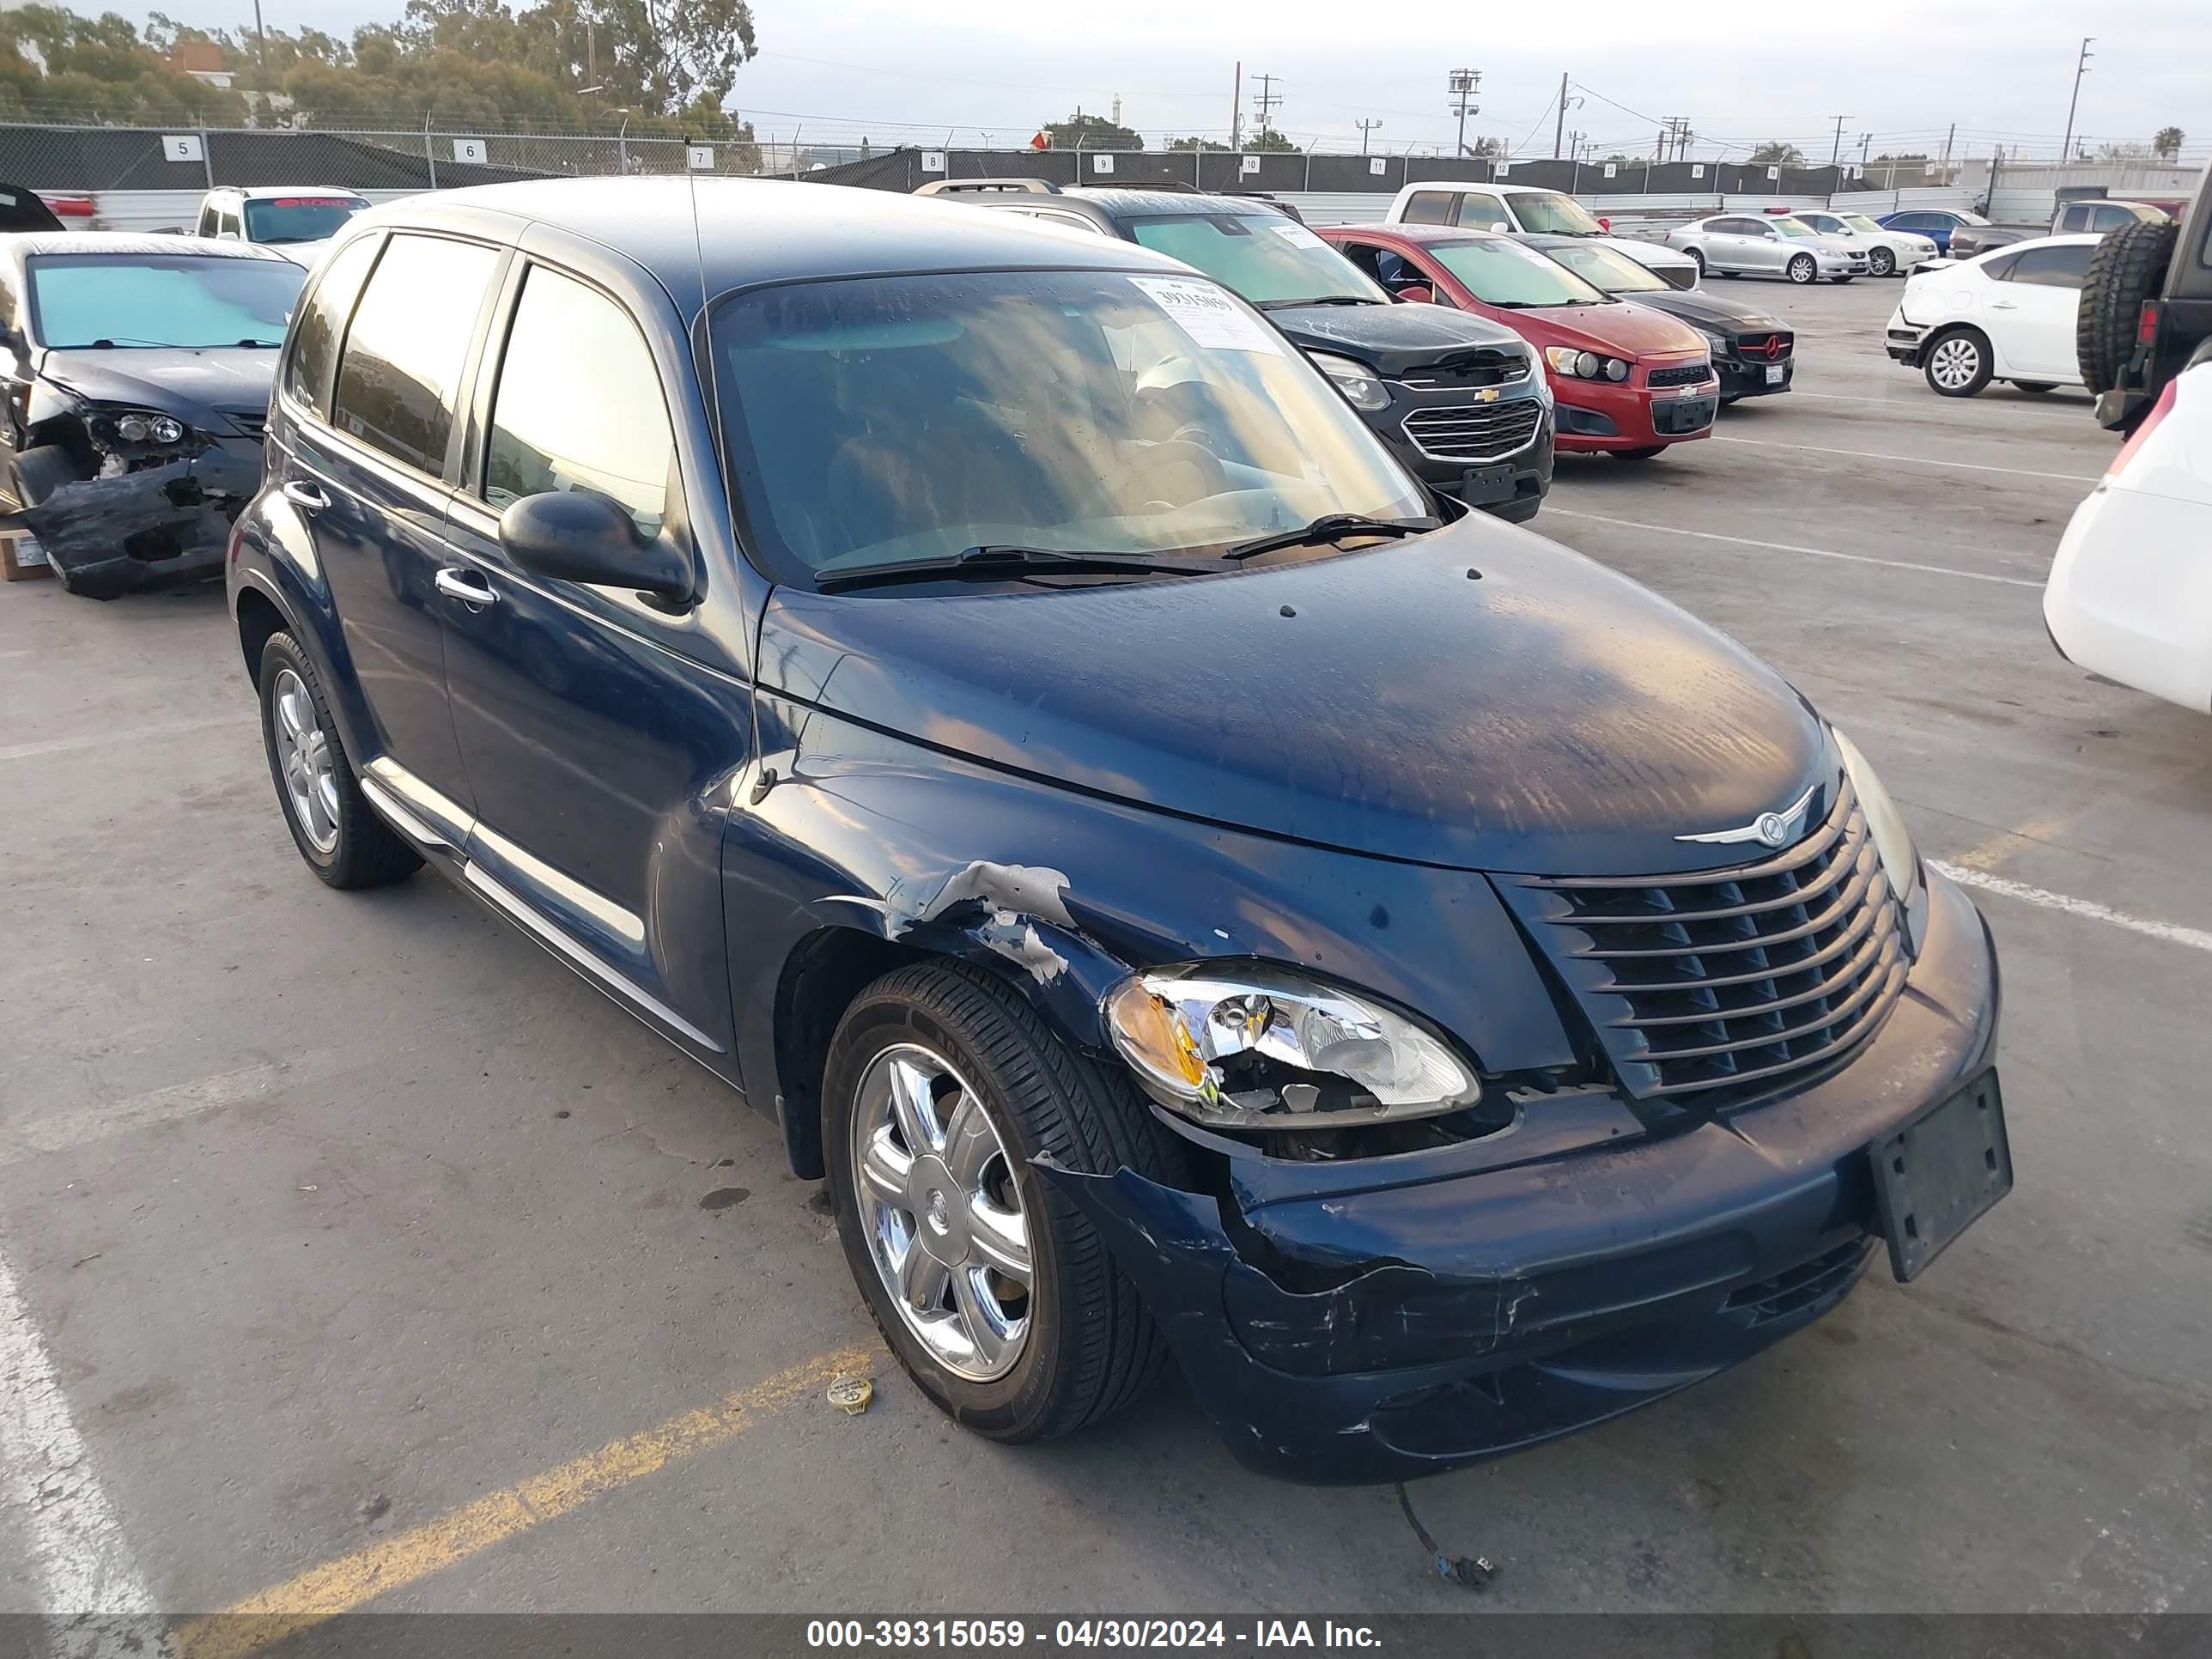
{"type": "Point", "coordinates": [1888, 251]}
{"type": "Point", "coordinates": [2004, 315]}
{"type": "Point", "coordinates": [2130, 595]}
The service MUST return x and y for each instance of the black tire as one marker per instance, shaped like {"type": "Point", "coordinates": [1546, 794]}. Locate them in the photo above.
{"type": "Point", "coordinates": [1092, 1347]}
{"type": "Point", "coordinates": [368, 852]}
{"type": "Point", "coordinates": [1643, 454]}
{"type": "Point", "coordinates": [1698, 259]}
{"type": "Point", "coordinates": [2036, 387]}
{"type": "Point", "coordinates": [2127, 268]}
{"type": "Point", "coordinates": [1845, 277]}
{"type": "Point", "coordinates": [1881, 262]}
{"type": "Point", "coordinates": [1982, 360]}
{"type": "Point", "coordinates": [1803, 269]}
{"type": "Point", "coordinates": [35, 474]}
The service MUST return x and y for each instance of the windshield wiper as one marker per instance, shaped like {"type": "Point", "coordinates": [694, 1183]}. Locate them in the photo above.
{"type": "Point", "coordinates": [988, 564]}
{"type": "Point", "coordinates": [1319, 300]}
{"type": "Point", "coordinates": [270, 345]}
{"type": "Point", "coordinates": [1328, 528]}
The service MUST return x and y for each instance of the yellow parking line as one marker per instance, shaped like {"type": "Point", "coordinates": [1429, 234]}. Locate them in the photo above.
{"type": "Point", "coordinates": [1988, 854]}
{"type": "Point", "coordinates": [339, 1586]}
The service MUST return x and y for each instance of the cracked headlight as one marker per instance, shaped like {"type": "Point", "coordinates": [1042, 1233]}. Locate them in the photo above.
{"type": "Point", "coordinates": [1362, 387]}
{"type": "Point", "coordinates": [1253, 1046]}
{"type": "Point", "coordinates": [145, 428]}
{"type": "Point", "coordinates": [1893, 842]}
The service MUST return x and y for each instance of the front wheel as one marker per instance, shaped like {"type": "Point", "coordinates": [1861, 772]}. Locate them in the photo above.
{"type": "Point", "coordinates": [1881, 262]}
{"type": "Point", "coordinates": [1845, 277]}
{"type": "Point", "coordinates": [942, 1089]}
{"type": "Point", "coordinates": [1958, 364]}
{"type": "Point", "coordinates": [2036, 387]}
{"type": "Point", "coordinates": [1802, 269]}
{"type": "Point", "coordinates": [1698, 260]}
{"type": "Point", "coordinates": [1643, 454]}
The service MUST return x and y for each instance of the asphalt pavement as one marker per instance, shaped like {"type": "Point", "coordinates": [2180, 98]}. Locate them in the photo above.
{"type": "Point", "coordinates": [354, 1254]}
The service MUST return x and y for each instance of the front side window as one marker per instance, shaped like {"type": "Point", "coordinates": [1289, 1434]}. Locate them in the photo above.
{"type": "Point", "coordinates": [870, 420]}
{"type": "Point", "coordinates": [315, 341]}
{"type": "Point", "coordinates": [279, 219]}
{"type": "Point", "coordinates": [2063, 266]}
{"type": "Point", "coordinates": [226, 223]}
{"type": "Point", "coordinates": [1859, 221]}
{"type": "Point", "coordinates": [1267, 259]}
{"type": "Point", "coordinates": [2110, 218]}
{"type": "Point", "coordinates": [201, 301]}
{"type": "Point", "coordinates": [405, 351]}
{"type": "Point", "coordinates": [207, 224]}
{"type": "Point", "coordinates": [578, 405]}
{"type": "Point", "coordinates": [1483, 211]}
{"type": "Point", "coordinates": [1548, 210]}
{"type": "Point", "coordinates": [1797, 230]}
{"type": "Point", "coordinates": [1502, 273]}
{"type": "Point", "coordinates": [1428, 207]}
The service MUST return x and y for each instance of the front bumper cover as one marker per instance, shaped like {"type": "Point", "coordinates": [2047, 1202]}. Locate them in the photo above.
{"type": "Point", "coordinates": [152, 527]}
{"type": "Point", "coordinates": [1485, 1299]}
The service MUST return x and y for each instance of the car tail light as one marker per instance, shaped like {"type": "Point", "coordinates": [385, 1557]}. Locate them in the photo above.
{"type": "Point", "coordinates": [70, 207]}
{"type": "Point", "coordinates": [2147, 323]}
{"type": "Point", "coordinates": [2158, 412]}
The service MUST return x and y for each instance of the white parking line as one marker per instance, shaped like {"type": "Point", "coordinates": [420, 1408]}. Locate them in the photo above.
{"type": "Point", "coordinates": [101, 739]}
{"type": "Point", "coordinates": [1910, 460]}
{"type": "Point", "coordinates": [1966, 876]}
{"type": "Point", "coordinates": [1928, 404]}
{"type": "Point", "coordinates": [80, 1563]}
{"type": "Point", "coordinates": [1788, 547]}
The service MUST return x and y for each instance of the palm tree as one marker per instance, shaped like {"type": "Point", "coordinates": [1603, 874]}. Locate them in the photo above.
{"type": "Point", "coordinates": [2167, 143]}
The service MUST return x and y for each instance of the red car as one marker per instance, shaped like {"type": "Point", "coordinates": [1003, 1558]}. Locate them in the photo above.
{"type": "Point", "coordinates": [1629, 381]}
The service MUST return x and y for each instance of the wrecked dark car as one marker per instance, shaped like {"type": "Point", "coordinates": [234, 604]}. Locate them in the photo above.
{"type": "Point", "coordinates": [141, 368]}
{"type": "Point", "coordinates": [1196, 898]}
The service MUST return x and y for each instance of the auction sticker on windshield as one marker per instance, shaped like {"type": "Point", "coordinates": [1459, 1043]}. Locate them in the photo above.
{"type": "Point", "coordinates": [1209, 316]}
{"type": "Point", "coordinates": [1298, 236]}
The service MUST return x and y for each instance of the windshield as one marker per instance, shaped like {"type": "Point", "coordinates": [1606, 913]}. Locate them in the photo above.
{"type": "Point", "coordinates": [1969, 218]}
{"type": "Point", "coordinates": [881, 419]}
{"type": "Point", "coordinates": [1607, 270]}
{"type": "Point", "coordinates": [1549, 211]}
{"type": "Point", "coordinates": [1795, 229]}
{"type": "Point", "coordinates": [299, 218]}
{"type": "Point", "coordinates": [161, 300]}
{"type": "Point", "coordinates": [1858, 222]}
{"type": "Point", "coordinates": [1502, 273]}
{"type": "Point", "coordinates": [1264, 257]}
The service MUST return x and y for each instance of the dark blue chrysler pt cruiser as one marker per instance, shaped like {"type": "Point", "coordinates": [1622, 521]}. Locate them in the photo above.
{"type": "Point", "coordinates": [1195, 897]}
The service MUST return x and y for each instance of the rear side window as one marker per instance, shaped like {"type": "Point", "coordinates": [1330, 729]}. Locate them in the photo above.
{"type": "Point", "coordinates": [315, 336]}
{"type": "Point", "coordinates": [405, 351]}
{"type": "Point", "coordinates": [1428, 207]}
{"type": "Point", "coordinates": [2052, 267]}
{"type": "Point", "coordinates": [578, 405]}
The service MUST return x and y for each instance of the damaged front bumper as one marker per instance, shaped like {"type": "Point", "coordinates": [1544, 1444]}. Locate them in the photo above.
{"type": "Point", "coordinates": [1379, 1319]}
{"type": "Point", "coordinates": [150, 527]}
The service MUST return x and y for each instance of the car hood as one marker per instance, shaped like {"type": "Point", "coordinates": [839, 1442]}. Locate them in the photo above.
{"type": "Point", "coordinates": [190, 384]}
{"type": "Point", "coordinates": [1649, 254]}
{"type": "Point", "coordinates": [1394, 340]}
{"type": "Point", "coordinates": [1549, 716]}
{"type": "Point", "coordinates": [1621, 328]}
{"type": "Point", "coordinates": [1702, 308]}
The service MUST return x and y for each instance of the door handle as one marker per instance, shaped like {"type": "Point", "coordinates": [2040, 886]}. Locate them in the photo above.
{"type": "Point", "coordinates": [2004, 305]}
{"type": "Point", "coordinates": [467, 587]}
{"type": "Point", "coordinates": [306, 496]}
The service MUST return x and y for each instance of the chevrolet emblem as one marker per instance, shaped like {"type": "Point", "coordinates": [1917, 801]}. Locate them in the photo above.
{"type": "Point", "coordinates": [1486, 395]}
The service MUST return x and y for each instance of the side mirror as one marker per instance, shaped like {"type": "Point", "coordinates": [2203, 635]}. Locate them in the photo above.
{"type": "Point", "coordinates": [580, 537]}
{"type": "Point", "coordinates": [1417, 294]}
{"type": "Point", "coordinates": [1501, 226]}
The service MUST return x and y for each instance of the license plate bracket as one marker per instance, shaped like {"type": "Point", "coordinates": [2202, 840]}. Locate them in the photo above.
{"type": "Point", "coordinates": [1774, 373]}
{"type": "Point", "coordinates": [1481, 486]}
{"type": "Point", "coordinates": [1940, 1173]}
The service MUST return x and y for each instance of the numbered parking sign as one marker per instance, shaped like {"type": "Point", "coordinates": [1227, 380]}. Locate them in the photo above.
{"type": "Point", "coordinates": [699, 158]}
{"type": "Point", "coordinates": [468, 149]}
{"type": "Point", "coordinates": [1377, 166]}
{"type": "Point", "coordinates": [1249, 164]}
{"type": "Point", "coordinates": [933, 161]}
{"type": "Point", "coordinates": [1504, 167]}
{"type": "Point", "coordinates": [1611, 168]}
{"type": "Point", "coordinates": [1774, 173]}
{"type": "Point", "coordinates": [1102, 164]}
{"type": "Point", "coordinates": [182, 147]}
{"type": "Point", "coordinates": [1696, 169]}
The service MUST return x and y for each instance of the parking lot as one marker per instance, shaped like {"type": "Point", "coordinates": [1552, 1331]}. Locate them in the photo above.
{"type": "Point", "coordinates": [353, 1252]}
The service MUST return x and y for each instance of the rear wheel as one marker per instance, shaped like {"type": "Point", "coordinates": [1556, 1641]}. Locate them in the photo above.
{"type": "Point", "coordinates": [1643, 454]}
{"type": "Point", "coordinates": [2125, 269]}
{"type": "Point", "coordinates": [1881, 262]}
{"type": "Point", "coordinates": [1802, 269]}
{"type": "Point", "coordinates": [2037, 386]}
{"type": "Point", "coordinates": [942, 1089]}
{"type": "Point", "coordinates": [1840, 281]}
{"type": "Point", "coordinates": [1698, 260]}
{"type": "Point", "coordinates": [1958, 363]}
{"type": "Point", "coordinates": [335, 829]}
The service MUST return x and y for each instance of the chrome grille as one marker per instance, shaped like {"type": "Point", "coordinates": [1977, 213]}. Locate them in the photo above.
{"type": "Point", "coordinates": [1474, 432]}
{"type": "Point", "coordinates": [1720, 986]}
{"type": "Point", "coordinates": [1481, 368]}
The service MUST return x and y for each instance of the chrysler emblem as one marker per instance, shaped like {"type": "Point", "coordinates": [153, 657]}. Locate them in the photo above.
{"type": "Point", "coordinates": [1770, 829]}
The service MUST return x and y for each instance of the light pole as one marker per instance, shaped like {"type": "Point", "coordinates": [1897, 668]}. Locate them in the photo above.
{"type": "Point", "coordinates": [1365, 127]}
{"type": "Point", "coordinates": [1462, 88]}
{"type": "Point", "coordinates": [2081, 69]}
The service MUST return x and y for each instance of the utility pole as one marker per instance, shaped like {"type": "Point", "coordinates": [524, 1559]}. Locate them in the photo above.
{"type": "Point", "coordinates": [1865, 139]}
{"type": "Point", "coordinates": [1675, 138]}
{"type": "Point", "coordinates": [1236, 107]}
{"type": "Point", "coordinates": [1461, 88]}
{"type": "Point", "coordinates": [1117, 109]}
{"type": "Point", "coordinates": [1947, 138]}
{"type": "Point", "coordinates": [1365, 127]}
{"type": "Point", "coordinates": [2081, 69]}
{"type": "Point", "coordinates": [260, 42]}
{"type": "Point", "coordinates": [1559, 126]}
{"type": "Point", "coordinates": [1265, 100]}
{"type": "Point", "coordinates": [1836, 149]}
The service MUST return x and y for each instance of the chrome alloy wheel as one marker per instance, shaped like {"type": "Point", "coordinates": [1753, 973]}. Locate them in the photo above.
{"type": "Point", "coordinates": [943, 1214]}
{"type": "Point", "coordinates": [307, 762]}
{"type": "Point", "coordinates": [1954, 362]}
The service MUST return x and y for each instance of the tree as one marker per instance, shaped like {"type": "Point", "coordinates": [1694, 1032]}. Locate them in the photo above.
{"type": "Point", "coordinates": [2166, 144]}
{"type": "Point", "coordinates": [1488, 149]}
{"type": "Point", "coordinates": [1269, 141]}
{"type": "Point", "coordinates": [1775, 152]}
{"type": "Point", "coordinates": [2120, 153]}
{"type": "Point", "coordinates": [1081, 131]}
{"type": "Point", "coordinates": [1195, 143]}
{"type": "Point", "coordinates": [53, 59]}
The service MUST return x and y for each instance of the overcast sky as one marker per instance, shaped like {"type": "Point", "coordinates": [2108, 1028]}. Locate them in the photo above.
{"type": "Point", "coordinates": [1740, 72]}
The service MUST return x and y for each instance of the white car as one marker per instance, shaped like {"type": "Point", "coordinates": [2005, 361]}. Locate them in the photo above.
{"type": "Point", "coordinates": [1765, 244]}
{"type": "Point", "coordinates": [1527, 210]}
{"type": "Point", "coordinates": [2004, 315]}
{"type": "Point", "coordinates": [1889, 253]}
{"type": "Point", "coordinates": [297, 219]}
{"type": "Point", "coordinates": [2130, 595]}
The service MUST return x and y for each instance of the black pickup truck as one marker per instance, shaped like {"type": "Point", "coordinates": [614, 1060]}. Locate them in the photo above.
{"type": "Point", "coordinates": [2146, 310]}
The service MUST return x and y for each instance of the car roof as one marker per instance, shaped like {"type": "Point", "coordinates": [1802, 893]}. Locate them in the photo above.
{"type": "Point", "coordinates": [123, 245]}
{"type": "Point", "coordinates": [1119, 199]}
{"type": "Point", "coordinates": [2071, 238]}
{"type": "Point", "coordinates": [1426, 234]}
{"type": "Point", "coordinates": [263, 192]}
{"type": "Point", "coordinates": [748, 232]}
{"type": "Point", "coordinates": [1499, 188]}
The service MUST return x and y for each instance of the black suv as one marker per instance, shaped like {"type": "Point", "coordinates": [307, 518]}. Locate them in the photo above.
{"type": "Point", "coordinates": [2146, 309]}
{"type": "Point", "coordinates": [1458, 398]}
